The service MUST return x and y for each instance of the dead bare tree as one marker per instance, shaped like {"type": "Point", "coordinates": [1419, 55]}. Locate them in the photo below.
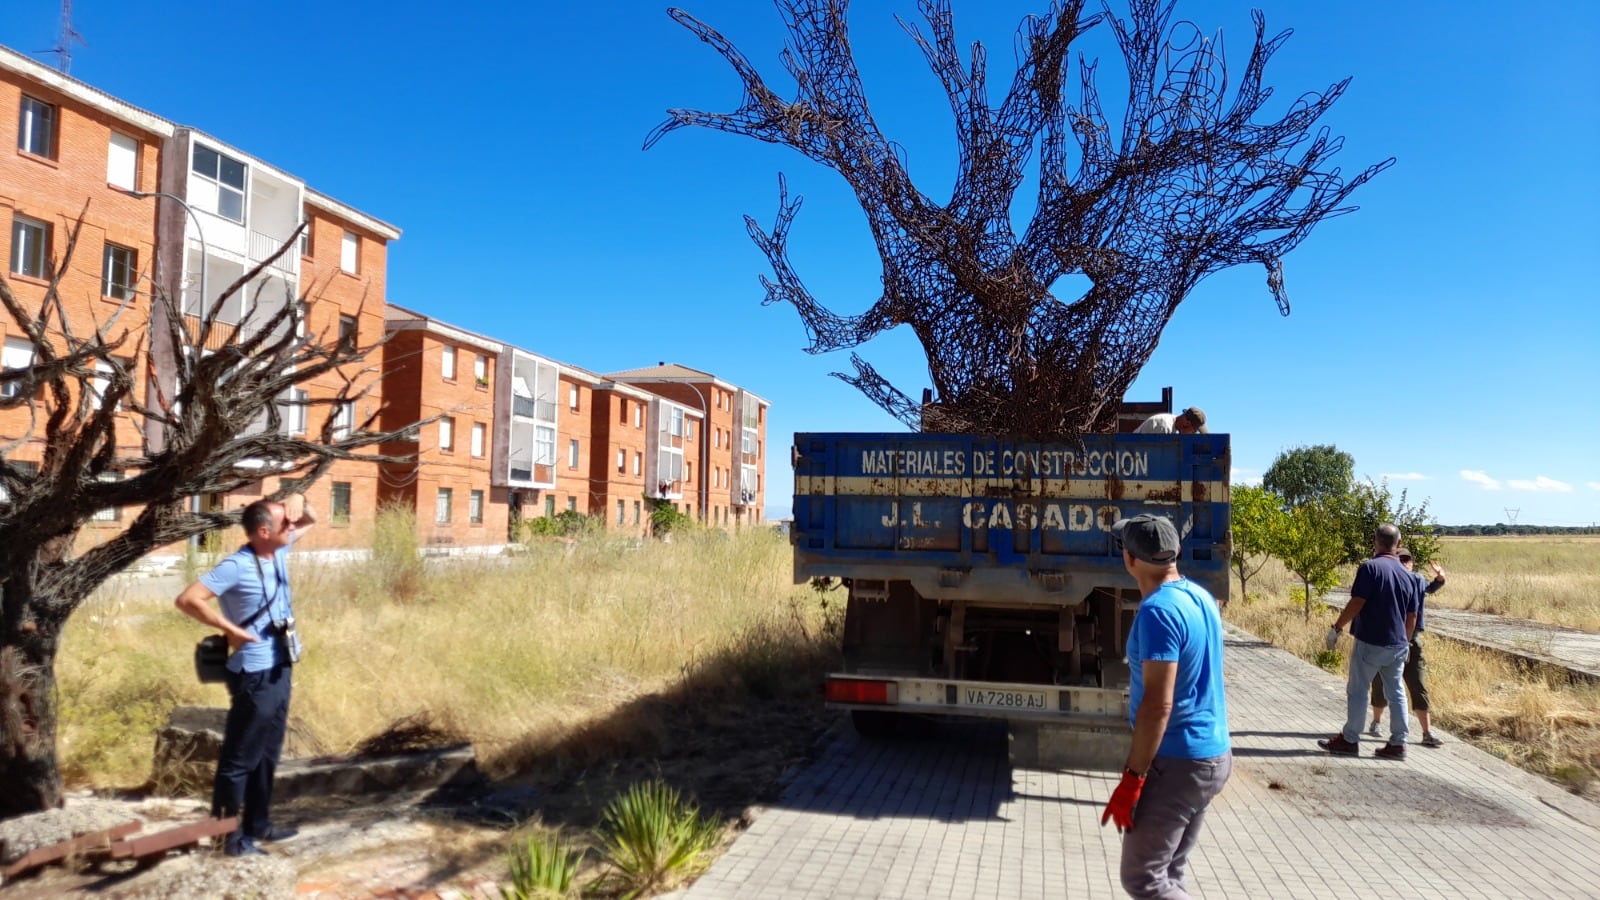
{"type": "Point", "coordinates": [211, 425]}
{"type": "Point", "coordinates": [1192, 184]}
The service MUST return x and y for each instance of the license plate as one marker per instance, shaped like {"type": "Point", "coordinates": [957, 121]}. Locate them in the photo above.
{"type": "Point", "coordinates": [1022, 701]}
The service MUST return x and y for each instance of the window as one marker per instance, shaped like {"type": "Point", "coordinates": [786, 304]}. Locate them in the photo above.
{"type": "Point", "coordinates": [36, 132]}
{"type": "Point", "coordinates": [636, 512]}
{"type": "Point", "coordinates": [550, 506]}
{"type": "Point", "coordinates": [716, 438]}
{"type": "Point", "coordinates": [447, 363]}
{"type": "Point", "coordinates": [622, 512]}
{"type": "Point", "coordinates": [638, 462]}
{"type": "Point", "coordinates": [447, 434]}
{"type": "Point", "coordinates": [226, 176]}
{"type": "Point", "coordinates": [572, 504]}
{"type": "Point", "coordinates": [350, 253]}
{"type": "Point", "coordinates": [622, 462]}
{"type": "Point", "coordinates": [688, 430]}
{"type": "Point", "coordinates": [293, 410]}
{"type": "Point", "coordinates": [676, 428]}
{"type": "Point", "coordinates": [121, 266]}
{"type": "Point", "coordinates": [480, 368]}
{"type": "Point", "coordinates": [441, 506]}
{"type": "Point", "coordinates": [18, 354]}
{"type": "Point", "coordinates": [344, 416]}
{"type": "Point", "coordinates": [110, 513]}
{"type": "Point", "coordinates": [475, 507]}
{"type": "Point", "coordinates": [305, 240]}
{"type": "Point", "coordinates": [638, 415]}
{"type": "Point", "coordinates": [101, 382]}
{"type": "Point", "coordinates": [340, 511]}
{"type": "Point", "coordinates": [622, 410]}
{"type": "Point", "coordinates": [688, 471]}
{"type": "Point", "coordinates": [30, 247]}
{"type": "Point", "coordinates": [122, 162]}
{"type": "Point", "coordinates": [572, 454]}
{"type": "Point", "coordinates": [572, 397]}
{"type": "Point", "coordinates": [544, 449]}
{"type": "Point", "coordinates": [477, 438]}
{"type": "Point", "coordinates": [349, 330]}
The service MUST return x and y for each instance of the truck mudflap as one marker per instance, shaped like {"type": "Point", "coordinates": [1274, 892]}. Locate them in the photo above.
{"type": "Point", "coordinates": [1083, 707]}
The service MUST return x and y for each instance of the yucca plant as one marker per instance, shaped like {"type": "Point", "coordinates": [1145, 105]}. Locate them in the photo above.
{"type": "Point", "coordinates": [652, 835]}
{"type": "Point", "coordinates": [542, 868]}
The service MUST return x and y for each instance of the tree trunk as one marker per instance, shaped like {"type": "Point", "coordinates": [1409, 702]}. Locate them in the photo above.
{"type": "Point", "coordinates": [29, 778]}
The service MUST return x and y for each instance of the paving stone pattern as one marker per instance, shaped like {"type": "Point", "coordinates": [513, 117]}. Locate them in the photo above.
{"type": "Point", "coordinates": [947, 817]}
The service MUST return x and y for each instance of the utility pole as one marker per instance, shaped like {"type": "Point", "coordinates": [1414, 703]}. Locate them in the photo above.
{"type": "Point", "coordinates": [68, 34]}
{"type": "Point", "coordinates": [1511, 514]}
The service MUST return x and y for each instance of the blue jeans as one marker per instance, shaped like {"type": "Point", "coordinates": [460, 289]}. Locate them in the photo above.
{"type": "Point", "coordinates": [1368, 661]}
{"type": "Point", "coordinates": [258, 719]}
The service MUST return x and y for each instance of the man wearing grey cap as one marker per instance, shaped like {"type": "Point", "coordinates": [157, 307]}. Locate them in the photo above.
{"type": "Point", "coordinates": [1181, 754]}
{"type": "Point", "coordinates": [1190, 421]}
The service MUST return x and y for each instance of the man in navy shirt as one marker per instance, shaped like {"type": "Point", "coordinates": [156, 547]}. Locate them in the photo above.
{"type": "Point", "coordinates": [1181, 754]}
{"type": "Point", "coordinates": [254, 611]}
{"type": "Point", "coordinates": [1384, 602]}
{"type": "Point", "coordinates": [1416, 670]}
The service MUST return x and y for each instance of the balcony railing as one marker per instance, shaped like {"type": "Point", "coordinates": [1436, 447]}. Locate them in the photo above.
{"type": "Point", "coordinates": [263, 246]}
{"type": "Point", "coordinates": [221, 335]}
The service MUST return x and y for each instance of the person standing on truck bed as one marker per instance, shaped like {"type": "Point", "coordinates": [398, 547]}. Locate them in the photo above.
{"type": "Point", "coordinates": [1190, 421]}
{"type": "Point", "coordinates": [1181, 754]}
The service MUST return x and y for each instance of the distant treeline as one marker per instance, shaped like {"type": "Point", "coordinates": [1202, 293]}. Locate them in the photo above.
{"type": "Point", "coordinates": [1504, 529]}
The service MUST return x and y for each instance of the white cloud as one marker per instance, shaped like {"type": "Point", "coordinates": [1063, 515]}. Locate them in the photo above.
{"type": "Point", "coordinates": [1477, 476]}
{"type": "Point", "coordinates": [1594, 485]}
{"type": "Point", "coordinates": [1540, 484]}
{"type": "Point", "coordinates": [1405, 476]}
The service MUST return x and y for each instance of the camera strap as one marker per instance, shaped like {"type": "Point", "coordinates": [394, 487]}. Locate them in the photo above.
{"type": "Point", "coordinates": [277, 589]}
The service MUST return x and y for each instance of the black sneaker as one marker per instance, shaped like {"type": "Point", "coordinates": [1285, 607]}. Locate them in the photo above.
{"type": "Point", "coordinates": [242, 845]}
{"type": "Point", "coordinates": [1391, 751]}
{"type": "Point", "coordinates": [1428, 740]}
{"type": "Point", "coordinates": [1339, 746]}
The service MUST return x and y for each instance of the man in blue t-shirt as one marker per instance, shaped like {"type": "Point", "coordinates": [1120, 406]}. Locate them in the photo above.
{"type": "Point", "coordinates": [1181, 754]}
{"type": "Point", "coordinates": [255, 613]}
{"type": "Point", "coordinates": [1384, 601]}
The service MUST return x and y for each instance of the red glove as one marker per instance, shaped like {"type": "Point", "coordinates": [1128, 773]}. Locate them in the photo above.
{"type": "Point", "coordinates": [1123, 800]}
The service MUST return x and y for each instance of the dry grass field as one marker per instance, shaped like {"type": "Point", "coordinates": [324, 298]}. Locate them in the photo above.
{"type": "Point", "coordinates": [565, 652]}
{"type": "Point", "coordinates": [1534, 718]}
{"type": "Point", "coordinates": [1547, 579]}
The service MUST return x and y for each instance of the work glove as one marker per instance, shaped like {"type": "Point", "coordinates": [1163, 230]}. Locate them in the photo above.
{"type": "Point", "coordinates": [1123, 801]}
{"type": "Point", "coordinates": [1332, 640]}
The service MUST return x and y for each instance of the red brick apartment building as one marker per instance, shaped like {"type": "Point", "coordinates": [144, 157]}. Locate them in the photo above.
{"type": "Point", "coordinates": [733, 453]}
{"type": "Point", "coordinates": [515, 434]}
{"type": "Point", "coordinates": [210, 213]}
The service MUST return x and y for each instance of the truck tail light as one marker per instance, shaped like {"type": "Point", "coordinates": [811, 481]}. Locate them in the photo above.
{"type": "Point", "coordinates": [853, 690]}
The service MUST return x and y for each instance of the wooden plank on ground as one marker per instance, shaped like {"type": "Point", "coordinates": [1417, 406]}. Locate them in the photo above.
{"type": "Point", "coordinates": [172, 838]}
{"type": "Point", "coordinates": [93, 843]}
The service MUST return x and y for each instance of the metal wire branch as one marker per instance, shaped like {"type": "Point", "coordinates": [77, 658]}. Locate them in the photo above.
{"type": "Point", "coordinates": [1195, 181]}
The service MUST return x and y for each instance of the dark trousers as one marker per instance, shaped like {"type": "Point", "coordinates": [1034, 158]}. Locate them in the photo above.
{"type": "Point", "coordinates": [1166, 824]}
{"type": "Point", "coordinates": [1416, 678]}
{"type": "Point", "coordinates": [258, 718]}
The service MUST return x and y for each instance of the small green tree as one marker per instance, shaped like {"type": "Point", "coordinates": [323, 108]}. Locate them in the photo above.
{"type": "Point", "coordinates": [1258, 522]}
{"type": "Point", "coordinates": [1370, 504]}
{"type": "Point", "coordinates": [665, 517]}
{"type": "Point", "coordinates": [1311, 545]}
{"type": "Point", "coordinates": [1303, 474]}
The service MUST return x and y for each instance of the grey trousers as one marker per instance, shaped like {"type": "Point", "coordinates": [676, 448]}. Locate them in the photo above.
{"type": "Point", "coordinates": [1166, 823]}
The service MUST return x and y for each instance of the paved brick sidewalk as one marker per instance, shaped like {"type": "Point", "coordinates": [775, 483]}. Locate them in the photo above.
{"type": "Point", "coordinates": [947, 818]}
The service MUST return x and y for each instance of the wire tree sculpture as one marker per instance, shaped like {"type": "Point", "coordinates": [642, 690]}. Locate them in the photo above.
{"type": "Point", "coordinates": [1193, 182]}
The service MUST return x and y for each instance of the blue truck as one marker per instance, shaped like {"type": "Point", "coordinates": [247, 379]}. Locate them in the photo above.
{"type": "Point", "coordinates": [983, 578]}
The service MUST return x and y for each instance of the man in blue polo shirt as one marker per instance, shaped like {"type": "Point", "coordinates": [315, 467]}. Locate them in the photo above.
{"type": "Point", "coordinates": [255, 613]}
{"type": "Point", "coordinates": [1384, 601]}
{"type": "Point", "coordinates": [1181, 754]}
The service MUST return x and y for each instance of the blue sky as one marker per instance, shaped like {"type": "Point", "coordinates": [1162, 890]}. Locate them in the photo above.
{"type": "Point", "coordinates": [1444, 335]}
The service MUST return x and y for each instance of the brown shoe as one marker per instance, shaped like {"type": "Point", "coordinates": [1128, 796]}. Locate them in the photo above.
{"type": "Point", "coordinates": [1391, 751]}
{"type": "Point", "coordinates": [1339, 746]}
